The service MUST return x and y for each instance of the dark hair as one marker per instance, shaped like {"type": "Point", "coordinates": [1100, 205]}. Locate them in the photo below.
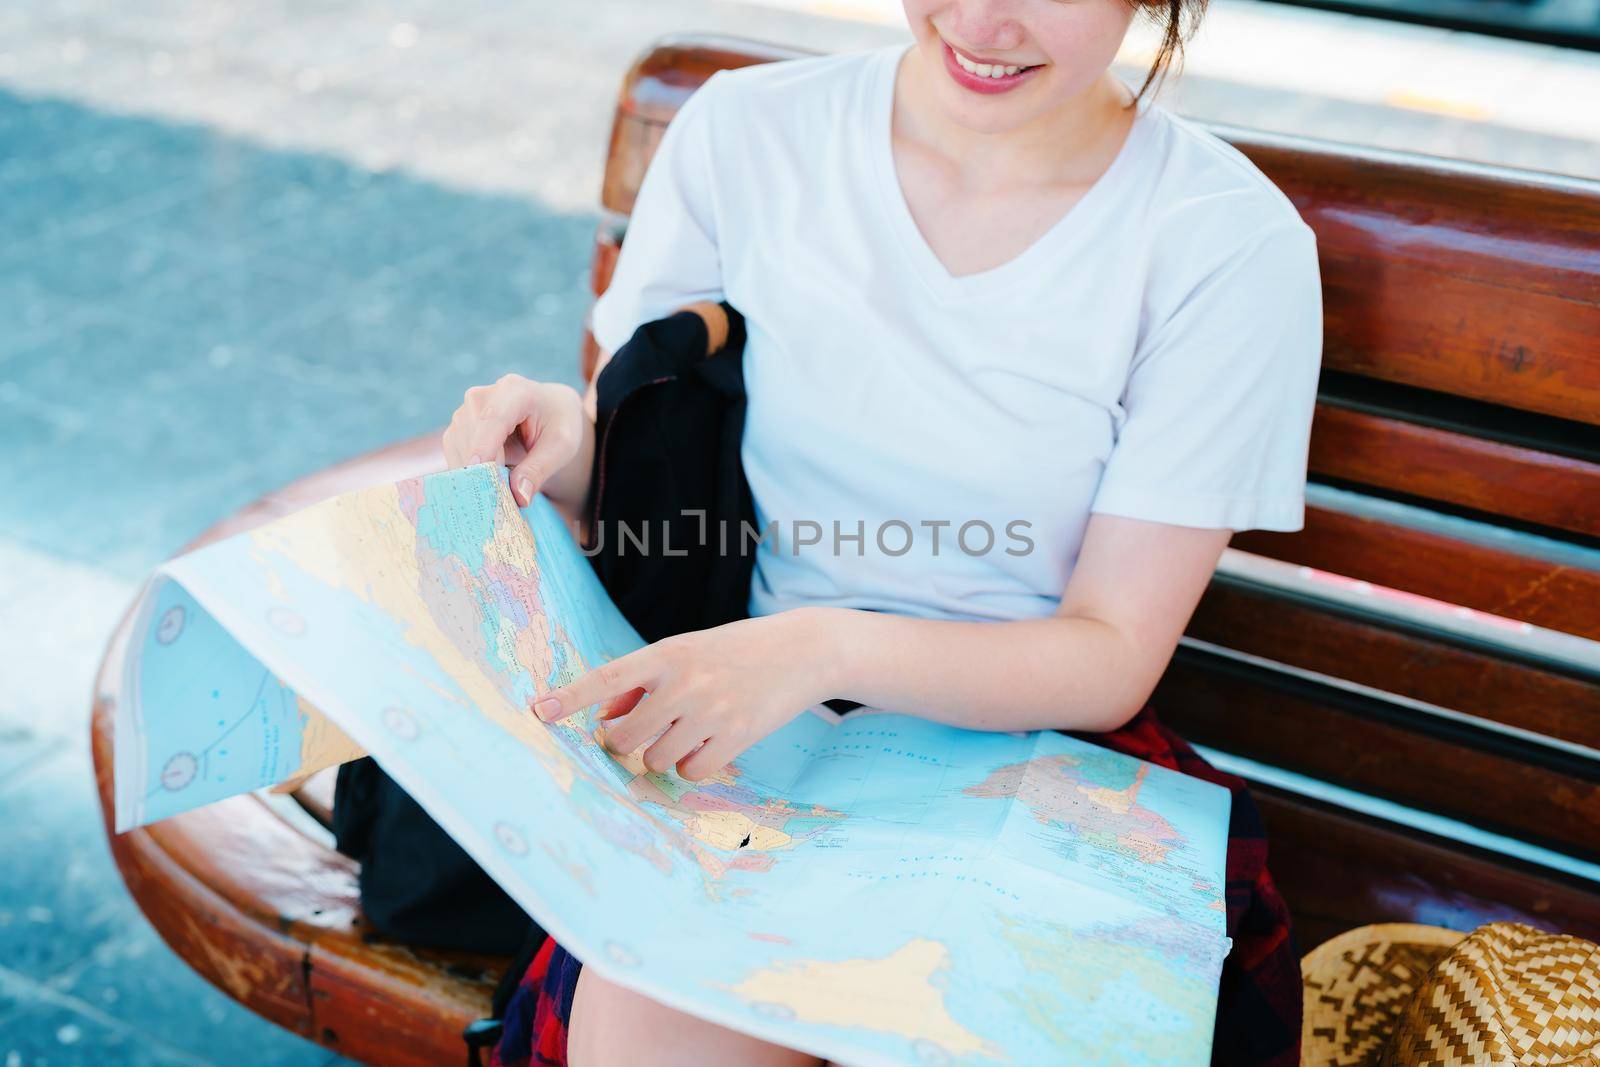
{"type": "Point", "coordinates": [1178, 20]}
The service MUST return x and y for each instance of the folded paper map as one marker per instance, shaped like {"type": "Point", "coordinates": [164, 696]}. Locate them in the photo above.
{"type": "Point", "coordinates": [876, 889]}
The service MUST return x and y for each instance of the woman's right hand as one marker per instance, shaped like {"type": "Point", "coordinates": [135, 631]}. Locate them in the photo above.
{"type": "Point", "coordinates": [539, 429]}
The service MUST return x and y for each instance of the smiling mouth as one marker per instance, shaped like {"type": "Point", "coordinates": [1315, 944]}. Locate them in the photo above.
{"type": "Point", "coordinates": [986, 79]}
{"type": "Point", "coordinates": [981, 69]}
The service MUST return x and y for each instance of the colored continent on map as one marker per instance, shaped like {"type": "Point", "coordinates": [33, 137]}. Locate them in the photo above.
{"type": "Point", "coordinates": [899, 994]}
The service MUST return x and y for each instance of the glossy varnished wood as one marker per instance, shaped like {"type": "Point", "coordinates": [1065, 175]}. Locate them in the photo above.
{"type": "Point", "coordinates": [1451, 467]}
{"type": "Point", "coordinates": [1501, 581]}
{"type": "Point", "coordinates": [653, 90]}
{"type": "Point", "coordinates": [603, 261]}
{"type": "Point", "coordinates": [1433, 763]}
{"type": "Point", "coordinates": [1447, 275]}
{"type": "Point", "coordinates": [1338, 870]}
{"type": "Point", "coordinates": [1411, 661]}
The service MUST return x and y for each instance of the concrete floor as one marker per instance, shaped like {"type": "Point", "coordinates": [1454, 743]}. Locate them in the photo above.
{"type": "Point", "coordinates": [239, 242]}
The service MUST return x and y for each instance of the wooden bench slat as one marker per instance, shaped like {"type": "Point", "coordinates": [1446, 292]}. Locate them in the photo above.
{"type": "Point", "coordinates": [1455, 468]}
{"type": "Point", "coordinates": [1543, 592]}
{"type": "Point", "coordinates": [1516, 787]}
{"type": "Point", "coordinates": [379, 1002]}
{"type": "Point", "coordinates": [230, 948]}
{"type": "Point", "coordinates": [1434, 669]}
{"type": "Point", "coordinates": [1534, 352]}
{"type": "Point", "coordinates": [602, 263]}
{"type": "Point", "coordinates": [664, 76]}
{"type": "Point", "coordinates": [1455, 276]}
{"type": "Point", "coordinates": [633, 143]}
{"type": "Point", "coordinates": [1338, 870]}
{"type": "Point", "coordinates": [653, 90]}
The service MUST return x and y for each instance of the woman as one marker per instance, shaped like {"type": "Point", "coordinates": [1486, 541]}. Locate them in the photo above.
{"type": "Point", "coordinates": [984, 282]}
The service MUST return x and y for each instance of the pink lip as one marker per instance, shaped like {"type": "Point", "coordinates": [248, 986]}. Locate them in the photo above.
{"type": "Point", "coordinates": [968, 80]}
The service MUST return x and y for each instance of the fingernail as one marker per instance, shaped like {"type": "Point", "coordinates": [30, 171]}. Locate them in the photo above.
{"type": "Point", "coordinates": [546, 707]}
{"type": "Point", "coordinates": [474, 460]}
{"type": "Point", "coordinates": [525, 487]}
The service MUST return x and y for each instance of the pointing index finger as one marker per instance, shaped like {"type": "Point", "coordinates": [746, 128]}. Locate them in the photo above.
{"type": "Point", "coordinates": [608, 680]}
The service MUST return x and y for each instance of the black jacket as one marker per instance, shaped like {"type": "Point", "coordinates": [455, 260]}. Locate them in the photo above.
{"type": "Point", "coordinates": [668, 500]}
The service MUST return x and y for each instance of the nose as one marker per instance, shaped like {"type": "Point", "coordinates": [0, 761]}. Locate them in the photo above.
{"type": "Point", "coordinates": [988, 25]}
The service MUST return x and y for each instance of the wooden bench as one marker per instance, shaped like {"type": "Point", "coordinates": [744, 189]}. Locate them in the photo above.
{"type": "Point", "coordinates": [1456, 457]}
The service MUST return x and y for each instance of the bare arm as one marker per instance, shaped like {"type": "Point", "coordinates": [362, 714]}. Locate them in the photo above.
{"type": "Point", "coordinates": [715, 692]}
{"type": "Point", "coordinates": [1090, 666]}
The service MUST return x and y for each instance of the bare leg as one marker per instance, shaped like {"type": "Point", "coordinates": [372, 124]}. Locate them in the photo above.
{"type": "Point", "coordinates": [612, 1026]}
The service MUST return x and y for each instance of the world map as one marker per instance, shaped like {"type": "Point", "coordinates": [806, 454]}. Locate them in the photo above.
{"type": "Point", "coordinates": [877, 888]}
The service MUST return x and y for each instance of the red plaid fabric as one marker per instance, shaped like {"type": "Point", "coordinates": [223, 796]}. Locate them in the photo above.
{"type": "Point", "coordinates": [1258, 1008]}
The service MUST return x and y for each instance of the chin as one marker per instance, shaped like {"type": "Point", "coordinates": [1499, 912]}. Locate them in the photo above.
{"type": "Point", "coordinates": [989, 115]}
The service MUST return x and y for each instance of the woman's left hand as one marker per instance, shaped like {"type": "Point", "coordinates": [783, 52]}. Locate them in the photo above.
{"type": "Point", "coordinates": [715, 692]}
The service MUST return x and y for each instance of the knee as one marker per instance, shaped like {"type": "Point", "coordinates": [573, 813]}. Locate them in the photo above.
{"type": "Point", "coordinates": [611, 1025]}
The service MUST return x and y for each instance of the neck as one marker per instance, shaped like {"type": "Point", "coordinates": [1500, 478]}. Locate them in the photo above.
{"type": "Point", "coordinates": [1059, 145]}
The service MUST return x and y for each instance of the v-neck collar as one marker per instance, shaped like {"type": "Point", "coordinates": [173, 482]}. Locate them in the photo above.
{"type": "Point", "coordinates": [928, 266]}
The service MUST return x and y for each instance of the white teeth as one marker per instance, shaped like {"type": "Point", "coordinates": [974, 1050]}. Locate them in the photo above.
{"type": "Point", "coordinates": [985, 70]}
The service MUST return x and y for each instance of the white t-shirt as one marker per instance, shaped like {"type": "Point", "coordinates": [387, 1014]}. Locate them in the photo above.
{"type": "Point", "coordinates": [1154, 354]}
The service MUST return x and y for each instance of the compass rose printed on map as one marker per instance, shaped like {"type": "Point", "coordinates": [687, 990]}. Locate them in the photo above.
{"type": "Point", "coordinates": [401, 723]}
{"type": "Point", "coordinates": [171, 624]}
{"type": "Point", "coordinates": [179, 771]}
{"type": "Point", "coordinates": [511, 839]}
{"type": "Point", "coordinates": [287, 621]}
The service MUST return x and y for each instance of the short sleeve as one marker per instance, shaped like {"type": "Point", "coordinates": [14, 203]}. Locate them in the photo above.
{"type": "Point", "coordinates": [669, 254]}
{"type": "Point", "coordinates": [1218, 404]}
